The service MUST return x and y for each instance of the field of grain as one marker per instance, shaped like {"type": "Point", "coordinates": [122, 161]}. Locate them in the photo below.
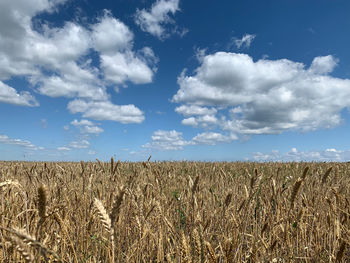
{"type": "Point", "coordinates": [174, 212]}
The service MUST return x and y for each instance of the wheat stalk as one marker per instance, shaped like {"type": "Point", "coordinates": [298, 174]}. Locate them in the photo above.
{"type": "Point", "coordinates": [211, 252]}
{"type": "Point", "coordinates": [29, 240]}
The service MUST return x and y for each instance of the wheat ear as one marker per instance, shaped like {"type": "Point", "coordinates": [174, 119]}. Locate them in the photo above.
{"type": "Point", "coordinates": [212, 256]}
{"type": "Point", "coordinates": [29, 240]}
{"type": "Point", "coordinates": [22, 248]}
{"type": "Point", "coordinates": [102, 214]}
{"type": "Point", "coordinates": [326, 174]}
{"type": "Point", "coordinates": [295, 191]}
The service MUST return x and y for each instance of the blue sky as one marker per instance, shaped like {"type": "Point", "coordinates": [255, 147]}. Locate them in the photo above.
{"type": "Point", "coordinates": [175, 79]}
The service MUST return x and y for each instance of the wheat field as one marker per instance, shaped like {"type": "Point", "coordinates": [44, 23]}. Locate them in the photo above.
{"type": "Point", "coordinates": [174, 212]}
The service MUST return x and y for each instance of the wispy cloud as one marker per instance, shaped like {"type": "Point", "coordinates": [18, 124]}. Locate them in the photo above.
{"type": "Point", "coordinates": [11, 96]}
{"type": "Point", "coordinates": [173, 140]}
{"type": "Point", "coordinates": [166, 140]}
{"type": "Point", "coordinates": [213, 138]}
{"type": "Point", "coordinates": [63, 148]}
{"type": "Point", "coordinates": [154, 21]}
{"type": "Point", "coordinates": [82, 144]}
{"type": "Point", "coordinates": [19, 142]}
{"type": "Point", "coordinates": [87, 127]}
{"type": "Point", "coordinates": [328, 155]}
{"type": "Point", "coordinates": [245, 41]}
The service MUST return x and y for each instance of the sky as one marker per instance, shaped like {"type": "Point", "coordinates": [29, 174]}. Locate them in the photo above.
{"type": "Point", "coordinates": [245, 80]}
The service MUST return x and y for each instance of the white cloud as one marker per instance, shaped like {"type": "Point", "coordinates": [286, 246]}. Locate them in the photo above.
{"type": "Point", "coordinates": [55, 50]}
{"type": "Point", "coordinates": [56, 61]}
{"type": "Point", "coordinates": [63, 148]}
{"type": "Point", "coordinates": [167, 140]}
{"type": "Point", "coordinates": [212, 138]}
{"type": "Point", "coordinates": [87, 126]}
{"type": "Point", "coordinates": [204, 121]}
{"type": "Point", "coordinates": [173, 140]}
{"type": "Point", "coordinates": [91, 152]}
{"type": "Point", "coordinates": [11, 96]}
{"type": "Point", "coordinates": [91, 129]}
{"type": "Point", "coordinates": [120, 67]}
{"type": "Point", "coordinates": [265, 96]}
{"type": "Point", "coordinates": [82, 122]}
{"type": "Point", "coordinates": [57, 46]}
{"type": "Point", "coordinates": [200, 54]}
{"type": "Point", "coordinates": [245, 41]}
{"type": "Point", "coordinates": [82, 144]}
{"type": "Point", "coordinates": [331, 155]}
{"type": "Point", "coordinates": [204, 117]}
{"type": "Point", "coordinates": [73, 81]}
{"type": "Point", "coordinates": [110, 35]}
{"type": "Point", "coordinates": [190, 110]}
{"type": "Point", "coordinates": [323, 65]}
{"type": "Point", "coordinates": [119, 63]}
{"type": "Point", "coordinates": [19, 142]}
{"type": "Point", "coordinates": [155, 20]}
{"type": "Point", "coordinates": [190, 122]}
{"type": "Point", "coordinates": [106, 110]}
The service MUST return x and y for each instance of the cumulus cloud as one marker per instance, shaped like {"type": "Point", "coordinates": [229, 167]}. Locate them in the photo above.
{"type": "Point", "coordinates": [167, 140]}
{"type": "Point", "coordinates": [328, 155]}
{"type": "Point", "coordinates": [106, 110]}
{"type": "Point", "coordinates": [323, 65]}
{"type": "Point", "coordinates": [91, 129]}
{"type": "Point", "coordinates": [120, 67]}
{"type": "Point", "coordinates": [212, 138]}
{"type": "Point", "coordinates": [204, 121]}
{"type": "Point", "coordinates": [87, 127]}
{"type": "Point", "coordinates": [173, 140]}
{"type": "Point", "coordinates": [119, 62]}
{"type": "Point", "coordinates": [11, 96]}
{"type": "Point", "coordinates": [74, 81]}
{"type": "Point", "coordinates": [204, 117]}
{"type": "Point", "coordinates": [19, 142]}
{"type": "Point", "coordinates": [189, 110]}
{"type": "Point", "coordinates": [190, 122]}
{"type": "Point", "coordinates": [265, 96]}
{"type": "Point", "coordinates": [110, 35]}
{"type": "Point", "coordinates": [154, 20]}
{"type": "Point", "coordinates": [56, 61]}
{"type": "Point", "coordinates": [81, 144]}
{"type": "Point", "coordinates": [245, 41]}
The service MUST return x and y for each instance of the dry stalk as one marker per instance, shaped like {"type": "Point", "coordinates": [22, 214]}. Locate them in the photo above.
{"type": "Point", "coordinates": [30, 241]}
{"type": "Point", "coordinates": [211, 252]}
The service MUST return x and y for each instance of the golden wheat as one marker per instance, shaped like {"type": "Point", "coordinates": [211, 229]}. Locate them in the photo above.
{"type": "Point", "coordinates": [174, 212]}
